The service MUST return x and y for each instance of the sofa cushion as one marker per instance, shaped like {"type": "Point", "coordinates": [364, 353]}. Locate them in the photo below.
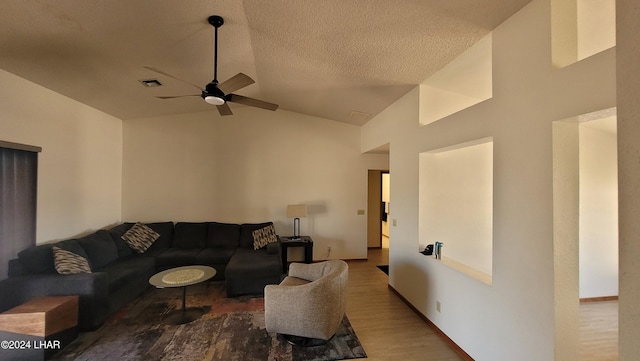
{"type": "Point", "coordinates": [116, 234]}
{"type": "Point", "coordinates": [72, 245]}
{"type": "Point", "coordinates": [273, 248]}
{"type": "Point", "coordinates": [249, 263]}
{"type": "Point", "coordinates": [246, 233]}
{"type": "Point", "coordinates": [38, 259]}
{"type": "Point", "coordinates": [100, 248]}
{"type": "Point", "coordinates": [140, 237]}
{"type": "Point", "coordinates": [175, 257]}
{"type": "Point", "coordinates": [225, 235]}
{"type": "Point", "coordinates": [263, 236]}
{"type": "Point", "coordinates": [68, 263]}
{"type": "Point", "coordinates": [126, 269]}
{"type": "Point", "coordinates": [189, 235]}
{"type": "Point", "coordinates": [214, 256]}
{"type": "Point", "coordinates": [165, 229]}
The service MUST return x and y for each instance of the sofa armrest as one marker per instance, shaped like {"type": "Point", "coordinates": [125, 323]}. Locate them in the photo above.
{"type": "Point", "coordinates": [92, 289]}
{"type": "Point", "coordinates": [82, 284]}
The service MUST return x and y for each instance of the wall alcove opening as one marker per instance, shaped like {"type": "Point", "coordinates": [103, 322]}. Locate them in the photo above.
{"type": "Point", "coordinates": [456, 206]}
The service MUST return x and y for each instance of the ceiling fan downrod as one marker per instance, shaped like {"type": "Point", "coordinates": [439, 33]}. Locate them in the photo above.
{"type": "Point", "coordinates": [212, 94]}
{"type": "Point", "coordinates": [216, 21]}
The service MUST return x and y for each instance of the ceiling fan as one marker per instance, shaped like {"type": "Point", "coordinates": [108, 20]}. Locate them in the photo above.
{"type": "Point", "coordinates": [219, 94]}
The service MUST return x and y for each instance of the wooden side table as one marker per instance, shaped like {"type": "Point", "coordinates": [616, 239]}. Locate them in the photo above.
{"type": "Point", "coordinates": [304, 241]}
{"type": "Point", "coordinates": [38, 328]}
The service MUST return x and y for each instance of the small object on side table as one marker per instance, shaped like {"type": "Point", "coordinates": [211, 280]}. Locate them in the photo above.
{"type": "Point", "coordinates": [303, 241]}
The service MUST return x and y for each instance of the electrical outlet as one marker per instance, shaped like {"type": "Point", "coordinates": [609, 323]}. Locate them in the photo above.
{"type": "Point", "coordinates": [438, 306]}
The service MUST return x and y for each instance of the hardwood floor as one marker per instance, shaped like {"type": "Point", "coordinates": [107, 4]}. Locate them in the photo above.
{"type": "Point", "coordinates": [386, 326]}
{"type": "Point", "coordinates": [599, 331]}
{"type": "Point", "coordinates": [390, 330]}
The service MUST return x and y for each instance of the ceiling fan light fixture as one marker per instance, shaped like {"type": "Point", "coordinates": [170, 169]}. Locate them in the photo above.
{"type": "Point", "coordinates": [214, 100]}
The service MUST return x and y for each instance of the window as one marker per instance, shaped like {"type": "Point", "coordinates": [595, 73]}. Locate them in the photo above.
{"type": "Point", "coordinates": [18, 189]}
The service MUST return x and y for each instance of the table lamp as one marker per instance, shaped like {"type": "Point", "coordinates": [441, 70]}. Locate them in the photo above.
{"type": "Point", "coordinates": [296, 211]}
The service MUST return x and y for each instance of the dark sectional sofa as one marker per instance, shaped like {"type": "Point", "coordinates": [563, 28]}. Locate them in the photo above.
{"type": "Point", "coordinates": [119, 274]}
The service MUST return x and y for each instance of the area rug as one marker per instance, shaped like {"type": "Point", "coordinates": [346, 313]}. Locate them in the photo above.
{"type": "Point", "coordinates": [231, 329]}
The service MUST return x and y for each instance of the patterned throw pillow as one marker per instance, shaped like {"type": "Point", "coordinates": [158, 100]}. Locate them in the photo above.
{"type": "Point", "coordinates": [69, 263]}
{"type": "Point", "coordinates": [264, 236]}
{"type": "Point", "coordinates": [140, 237]}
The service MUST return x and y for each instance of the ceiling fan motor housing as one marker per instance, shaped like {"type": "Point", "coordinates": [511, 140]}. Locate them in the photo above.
{"type": "Point", "coordinates": [213, 95]}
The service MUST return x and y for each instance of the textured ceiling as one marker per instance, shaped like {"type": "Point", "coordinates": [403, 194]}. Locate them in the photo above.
{"type": "Point", "coordinates": [344, 60]}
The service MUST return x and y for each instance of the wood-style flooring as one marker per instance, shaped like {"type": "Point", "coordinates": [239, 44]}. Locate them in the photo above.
{"type": "Point", "coordinates": [390, 330]}
{"type": "Point", "coordinates": [386, 326]}
{"type": "Point", "coordinates": [599, 331]}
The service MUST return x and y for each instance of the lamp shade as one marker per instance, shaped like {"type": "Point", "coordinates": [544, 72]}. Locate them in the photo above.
{"type": "Point", "coordinates": [296, 210]}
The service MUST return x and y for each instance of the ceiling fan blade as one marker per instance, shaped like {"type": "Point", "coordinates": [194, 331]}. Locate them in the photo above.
{"type": "Point", "coordinates": [178, 96]}
{"type": "Point", "coordinates": [156, 70]}
{"type": "Point", "coordinates": [224, 109]}
{"type": "Point", "coordinates": [251, 102]}
{"type": "Point", "coordinates": [236, 82]}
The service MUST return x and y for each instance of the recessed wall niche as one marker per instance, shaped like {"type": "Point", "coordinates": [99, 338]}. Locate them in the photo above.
{"type": "Point", "coordinates": [464, 82]}
{"type": "Point", "coordinates": [456, 205]}
{"type": "Point", "coordinates": [580, 29]}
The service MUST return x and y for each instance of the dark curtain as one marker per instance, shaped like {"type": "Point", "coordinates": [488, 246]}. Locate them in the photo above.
{"type": "Point", "coordinates": [18, 188]}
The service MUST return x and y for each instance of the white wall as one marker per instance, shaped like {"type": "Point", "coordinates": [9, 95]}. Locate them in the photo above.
{"type": "Point", "coordinates": [596, 26]}
{"type": "Point", "coordinates": [463, 82]}
{"type": "Point", "coordinates": [247, 168]}
{"type": "Point", "coordinates": [598, 209]}
{"type": "Point", "coordinates": [80, 166]}
{"type": "Point", "coordinates": [628, 111]}
{"type": "Point", "coordinates": [514, 318]}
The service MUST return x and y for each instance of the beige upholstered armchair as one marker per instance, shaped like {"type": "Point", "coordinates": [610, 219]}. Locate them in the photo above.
{"type": "Point", "coordinates": [309, 304]}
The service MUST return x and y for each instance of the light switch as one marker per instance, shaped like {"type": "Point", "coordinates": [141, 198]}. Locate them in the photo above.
{"type": "Point", "coordinates": [360, 212]}
{"type": "Point", "coordinates": [394, 222]}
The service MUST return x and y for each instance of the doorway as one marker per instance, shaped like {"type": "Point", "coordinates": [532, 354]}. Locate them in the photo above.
{"type": "Point", "coordinates": [386, 188]}
{"type": "Point", "coordinates": [585, 235]}
{"type": "Point", "coordinates": [378, 207]}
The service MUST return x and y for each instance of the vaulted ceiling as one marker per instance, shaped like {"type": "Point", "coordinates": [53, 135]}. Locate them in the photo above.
{"type": "Point", "coordinates": [345, 60]}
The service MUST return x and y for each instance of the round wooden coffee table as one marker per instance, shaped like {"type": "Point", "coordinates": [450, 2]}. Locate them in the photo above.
{"type": "Point", "coordinates": [183, 277]}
